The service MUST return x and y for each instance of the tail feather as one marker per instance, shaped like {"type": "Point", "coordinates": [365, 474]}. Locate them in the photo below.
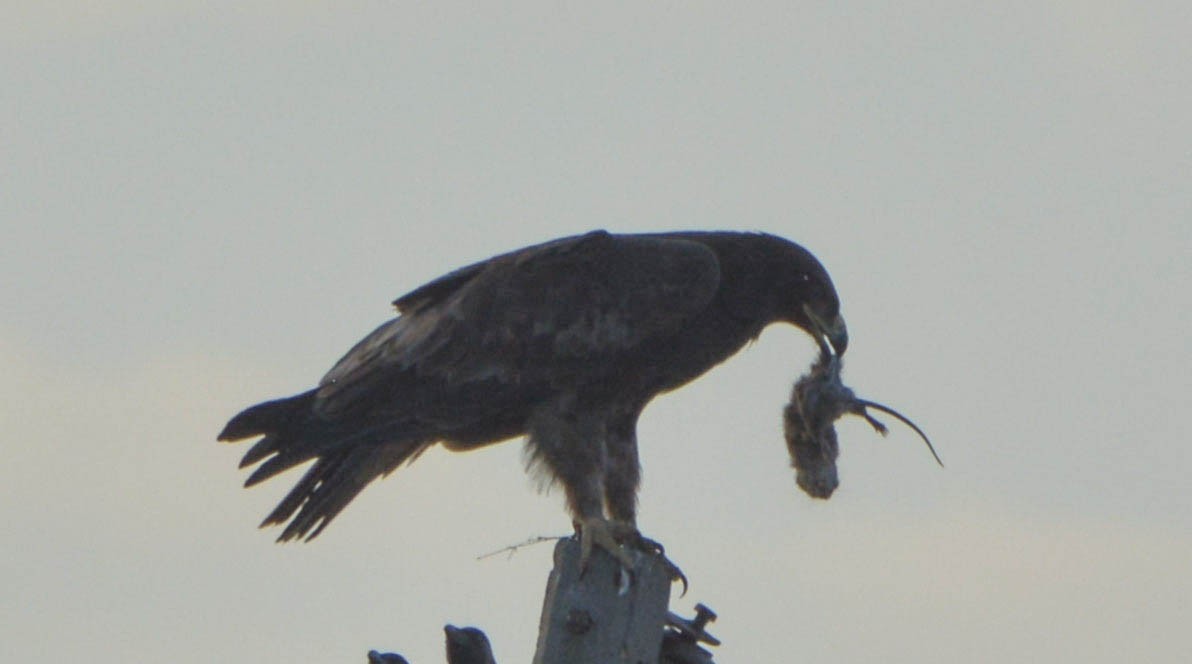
{"type": "Point", "coordinates": [338, 483]}
{"type": "Point", "coordinates": [346, 459]}
{"type": "Point", "coordinates": [332, 483]}
{"type": "Point", "coordinates": [268, 417]}
{"type": "Point", "coordinates": [311, 440]}
{"type": "Point", "coordinates": [261, 449]}
{"type": "Point", "coordinates": [285, 460]}
{"type": "Point", "coordinates": [297, 495]}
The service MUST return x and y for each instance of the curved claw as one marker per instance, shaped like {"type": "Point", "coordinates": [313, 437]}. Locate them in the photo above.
{"type": "Point", "coordinates": [655, 548]}
{"type": "Point", "coordinates": [616, 538]}
{"type": "Point", "coordinates": [677, 575]}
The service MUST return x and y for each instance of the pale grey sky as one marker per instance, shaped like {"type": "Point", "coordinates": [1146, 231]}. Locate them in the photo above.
{"type": "Point", "coordinates": [205, 204]}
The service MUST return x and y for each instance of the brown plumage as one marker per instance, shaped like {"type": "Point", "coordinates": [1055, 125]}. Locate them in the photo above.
{"type": "Point", "coordinates": [564, 342]}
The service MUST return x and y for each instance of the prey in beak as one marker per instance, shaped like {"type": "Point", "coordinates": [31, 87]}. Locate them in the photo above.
{"type": "Point", "coordinates": [831, 335]}
{"type": "Point", "coordinates": [818, 399]}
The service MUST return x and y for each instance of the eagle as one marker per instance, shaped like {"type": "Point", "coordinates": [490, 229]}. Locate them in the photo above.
{"type": "Point", "coordinates": [563, 343]}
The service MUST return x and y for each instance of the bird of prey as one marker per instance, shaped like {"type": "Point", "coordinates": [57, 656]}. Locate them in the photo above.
{"type": "Point", "coordinates": [563, 342]}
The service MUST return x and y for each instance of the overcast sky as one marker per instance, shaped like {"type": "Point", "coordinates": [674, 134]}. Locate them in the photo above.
{"type": "Point", "coordinates": [204, 205]}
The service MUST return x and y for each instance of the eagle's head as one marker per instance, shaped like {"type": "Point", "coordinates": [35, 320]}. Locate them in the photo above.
{"type": "Point", "coordinates": [807, 299]}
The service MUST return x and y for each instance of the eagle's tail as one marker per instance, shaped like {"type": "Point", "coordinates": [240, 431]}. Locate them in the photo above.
{"type": "Point", "coordinates": [268, 417]}
{"type": "Point", "coordinates": [346, 461]}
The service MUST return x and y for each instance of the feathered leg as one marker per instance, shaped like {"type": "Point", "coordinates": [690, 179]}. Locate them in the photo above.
{"type": "Point", "coordinates": [622, 473]}
{"type": "Point", "coordinates": [622, 476]}
{"type": "Point", "coordinates": [573, 450]}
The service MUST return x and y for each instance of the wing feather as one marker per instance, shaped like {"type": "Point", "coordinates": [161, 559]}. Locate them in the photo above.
{"type": "Point", "coordinates": [533, 314]}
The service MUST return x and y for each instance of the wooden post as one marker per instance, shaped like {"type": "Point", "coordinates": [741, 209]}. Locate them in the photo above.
{"type": "Point", "coordinates": [603, 617]}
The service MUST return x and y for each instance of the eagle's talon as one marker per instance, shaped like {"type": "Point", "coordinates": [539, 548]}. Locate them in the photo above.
{"type": "Point", "coordinates": [650, 546]}
{"type": "Point", "coordinates": [655, 548]}
{"type": "Point", "coordinates": [676, 575]}
{"type": "Point", "coordinates": [618, 537]}
{"type": "Point", "coordinates": [608, 534]}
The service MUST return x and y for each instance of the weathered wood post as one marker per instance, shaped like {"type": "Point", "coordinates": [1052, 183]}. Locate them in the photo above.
{"type": "Point", "coordinates": [603, 617]}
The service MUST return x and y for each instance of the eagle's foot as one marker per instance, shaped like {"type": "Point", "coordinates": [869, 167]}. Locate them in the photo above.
{"type": "Point", "coordinates": [609, 534]}
{"type": "Point", "coordinates": [618, 537]}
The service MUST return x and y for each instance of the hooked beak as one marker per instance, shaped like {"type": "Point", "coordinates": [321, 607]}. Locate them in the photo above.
{"type": "Point", "coordinates": [832, 336]}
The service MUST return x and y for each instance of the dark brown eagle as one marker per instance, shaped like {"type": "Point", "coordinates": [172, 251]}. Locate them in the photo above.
{"type": "Point", "coordinates": [563, 342]}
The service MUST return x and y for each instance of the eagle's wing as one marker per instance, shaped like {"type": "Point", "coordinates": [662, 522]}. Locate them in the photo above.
{"type": "Point", "coordinates": [529, 314]}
